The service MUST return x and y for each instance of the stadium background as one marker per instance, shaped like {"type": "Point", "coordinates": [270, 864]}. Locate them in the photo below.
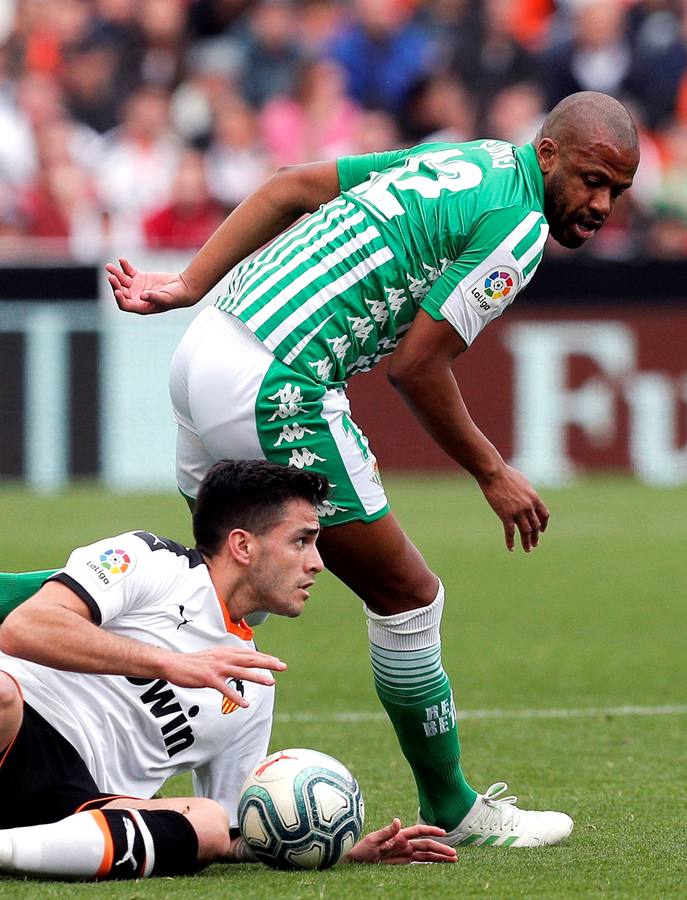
{"type": "Point", "coordinates": [130, 127]}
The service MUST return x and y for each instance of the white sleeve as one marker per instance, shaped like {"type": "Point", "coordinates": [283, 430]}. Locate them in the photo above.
{"type": "Point", "coordinates": [112, 576]}
{"type": "Point", "coordinates": [221, 778]}
{"type": "Point", "coordinates": [481, 297]}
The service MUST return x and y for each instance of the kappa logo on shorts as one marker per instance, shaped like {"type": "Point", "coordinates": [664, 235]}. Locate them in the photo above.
{"type": "Point", "coordinates": [300, 459]}
{"type": "Point", "coordinates": [291, 433]}
{"type": "Point", "coordinates": [327, 508]}
{"type": "Point", "coordinates": [488, 292]}
{"type": "Point", "coordinates": [289, 399]}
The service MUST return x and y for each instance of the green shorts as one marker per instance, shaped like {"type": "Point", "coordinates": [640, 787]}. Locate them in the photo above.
{"type": "Point", "coordinates": [233, 399]}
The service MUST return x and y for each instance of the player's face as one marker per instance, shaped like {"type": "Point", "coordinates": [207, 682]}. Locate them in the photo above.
{"type": "Point", "coordinates": [582, 182]}
{"type": "Point", "coordinates": [287, 561]}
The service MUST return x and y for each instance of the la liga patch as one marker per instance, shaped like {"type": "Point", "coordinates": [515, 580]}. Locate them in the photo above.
{"type": "Point", "coordinates": [110, 566]}
{"type": "Point", "coordinates": [115, 561]}
{"type": "Point", "coordinates": [498, 286]}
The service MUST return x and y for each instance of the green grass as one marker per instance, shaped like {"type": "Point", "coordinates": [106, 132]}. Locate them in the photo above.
{"type": "Point", "coordinates": [594, 620]}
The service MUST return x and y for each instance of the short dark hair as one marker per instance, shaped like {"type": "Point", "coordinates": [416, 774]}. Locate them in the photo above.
{"type": "Point", "coordinates": [250, 494]}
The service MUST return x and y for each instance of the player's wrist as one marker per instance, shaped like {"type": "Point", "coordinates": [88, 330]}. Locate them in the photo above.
{"type": "Point", "coordinates": [485, 468]}
{"type": "Point", "coordinates": [194, 285]}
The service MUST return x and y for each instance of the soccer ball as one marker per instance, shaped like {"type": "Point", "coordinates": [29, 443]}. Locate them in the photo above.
{"type": "Point", "coordinates": [300, 809]}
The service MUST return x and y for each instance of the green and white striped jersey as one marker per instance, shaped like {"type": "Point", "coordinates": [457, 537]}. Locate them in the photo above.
{"type": "Point", "coordinates": [454, 229]}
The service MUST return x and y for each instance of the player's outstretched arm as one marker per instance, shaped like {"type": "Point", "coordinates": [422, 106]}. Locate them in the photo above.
{"type": "Point", "coordinates": [54, 628]}
{"type": "Point", "coordinates": [421, 371]}
{"type": "Point", "coordinates": [395, 845]}
{"type": "Point", "coordinates": [290, 193]}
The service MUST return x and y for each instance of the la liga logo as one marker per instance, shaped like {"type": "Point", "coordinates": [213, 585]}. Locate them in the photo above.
{"type": "Point", "coordinates": [498, 285]}
{"type": "Point", "coordinates": [115, 561]}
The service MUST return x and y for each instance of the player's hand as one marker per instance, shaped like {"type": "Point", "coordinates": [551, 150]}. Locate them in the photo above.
{"type": "Point", "coordinates": [148, 292]}
{"type": "Point", "coordinates": [518, 505]}
{"type": "Point", "coordinates": [212, 668]}
{"type": "Point", "coordinates": [397, 846]}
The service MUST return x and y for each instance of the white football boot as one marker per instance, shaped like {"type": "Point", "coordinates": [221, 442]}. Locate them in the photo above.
{"type": "Point", "coordinates": [495, 821]}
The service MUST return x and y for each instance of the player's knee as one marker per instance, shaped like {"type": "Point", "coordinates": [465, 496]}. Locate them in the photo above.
{"type": "Point", "coordinates": [10, 697]}
{"type": "Point", "coordinates": [407, 590]}
{"type": "Point", "coordinates": [211, 824]}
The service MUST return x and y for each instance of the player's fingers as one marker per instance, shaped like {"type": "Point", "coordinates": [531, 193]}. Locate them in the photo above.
{"type": "Point", "coordinates": [389, 832]}
{"type": "Point", "coordinates": [429, 856]}
{"type": "Point", "coordinates": [153, 303]}
{"type": "Point", "coordinates": [430, 846]}
{"type": "Point", "coordinates": [115, 284]}
{"type": "Point", "coordinates": [543, 513]}
{"type": "Point", "coordinates": [263, 661]}
{"type": "Point", "coordinates": [112, 269]}
{"type": "Point", "coordinates": [127, 268]}
{"type": "Point", "coordinates": [535, 528]}
{"type": "Point", "coordinates": [525, 530]}
{"type": "Point", "coordinates": [421, 830]}
{"type": "Point", "coordinates": [509, 533]}
{"type": "Point", "coordinates": [253, 675]}
{"type": "Point", "coordinates": [231, 694]}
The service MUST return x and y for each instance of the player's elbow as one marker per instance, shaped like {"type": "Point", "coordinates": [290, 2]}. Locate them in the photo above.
{"type": "Point", "coordinates": [11, 631]}
{"type": "Point", "coordinates": [404, 372]}
{"type": "Point", "coordinates": [306, 186]}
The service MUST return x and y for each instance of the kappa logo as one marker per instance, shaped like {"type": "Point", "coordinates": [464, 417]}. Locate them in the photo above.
{"type": "Point", "coordinates": [488, 292]}
{"type": "Point", "coordinates": [299, 459]}
{"type": "Point", "coordinates": [327, 508]}
{"type": "Point", "coordinates": [289, 399]}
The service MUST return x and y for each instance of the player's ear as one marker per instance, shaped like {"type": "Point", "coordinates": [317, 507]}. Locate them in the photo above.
{"type": "Point", "coordinates": [239, 544]}
{"type": "Point", "coordinates": [547, 153]}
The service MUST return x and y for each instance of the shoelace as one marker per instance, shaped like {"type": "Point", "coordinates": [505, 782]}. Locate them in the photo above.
{"type": "Point", "coordinates": [498, 812]}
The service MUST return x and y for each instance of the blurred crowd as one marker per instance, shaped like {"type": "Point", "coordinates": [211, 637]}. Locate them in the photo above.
{"type": "Point", "coordinates": [141, 123]}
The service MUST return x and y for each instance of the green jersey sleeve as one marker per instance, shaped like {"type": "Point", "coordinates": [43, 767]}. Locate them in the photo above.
{"type": "Point", "coordinates": [354, 170]}
{"type": "Point", "coordinates": [500, 256]}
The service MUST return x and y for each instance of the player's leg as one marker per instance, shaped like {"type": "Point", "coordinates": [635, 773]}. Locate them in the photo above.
{"type": "Point", "coordinates": [11, 712]}
{"type": "Point", "coordinates": [123, 838]}
{"type": "Point", "coordinates": [403, 602]}
{"type": "Point", "coordinates": [208, 818]}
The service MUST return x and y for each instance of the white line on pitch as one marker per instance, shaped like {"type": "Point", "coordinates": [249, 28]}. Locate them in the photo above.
{"type": "Point", "coordinates": [582, 713]}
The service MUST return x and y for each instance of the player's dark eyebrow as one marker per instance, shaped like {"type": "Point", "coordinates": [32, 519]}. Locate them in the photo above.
{"type": "Point", "coordinates": [307, 532]}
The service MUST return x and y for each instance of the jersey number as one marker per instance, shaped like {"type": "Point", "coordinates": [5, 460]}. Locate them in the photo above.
{"type": "Point", "coordinates": [441, 171]}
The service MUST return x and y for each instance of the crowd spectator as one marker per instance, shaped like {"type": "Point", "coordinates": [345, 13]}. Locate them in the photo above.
{"type": "Point", "coordinates": [191, 215]}
{"type": "Point", "coordinates": [384, 50]}
{"type": "Point", "coordinates": [237, 159]}
{"type": "Point", "coordinates": [110, 109]}
{"type": "Point", "coordinates": [317, 120]}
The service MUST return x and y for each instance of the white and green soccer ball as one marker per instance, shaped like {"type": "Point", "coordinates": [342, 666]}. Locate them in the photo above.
{"type": "Point", "coordinates": [301, 809]}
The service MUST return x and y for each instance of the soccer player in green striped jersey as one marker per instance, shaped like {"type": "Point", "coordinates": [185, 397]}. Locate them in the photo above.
{"type": "Point", "coordinates": [411, 252]}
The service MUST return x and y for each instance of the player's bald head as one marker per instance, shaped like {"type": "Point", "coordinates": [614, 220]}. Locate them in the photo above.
{"type": "Point", "coordinates": [588, 117]}
{"type": "Point", "coordinates": [588, 153]}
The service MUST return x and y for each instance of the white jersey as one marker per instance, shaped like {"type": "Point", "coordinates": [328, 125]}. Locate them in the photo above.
{"type": "Point", "coordinates": [134, 733]}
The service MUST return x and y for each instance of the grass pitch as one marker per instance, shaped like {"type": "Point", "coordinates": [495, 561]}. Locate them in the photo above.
{"type": "Point", "coordinates": [568, 664]}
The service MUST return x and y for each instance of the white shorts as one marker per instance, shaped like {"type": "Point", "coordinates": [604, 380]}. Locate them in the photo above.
{"type": "Point", "coordinates": [233, 399]}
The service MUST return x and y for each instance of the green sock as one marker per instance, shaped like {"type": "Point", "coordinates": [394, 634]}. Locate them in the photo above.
{"type": "Point", "coordinates": [19, 586]}
{"type": "Point", "coordinates": [416, 694]}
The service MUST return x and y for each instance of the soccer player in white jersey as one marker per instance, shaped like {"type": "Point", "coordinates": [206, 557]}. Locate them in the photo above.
{"type": "Point", "coordinates": [134, 663]}
{"type": "Point", "coordinates": [415, 252]}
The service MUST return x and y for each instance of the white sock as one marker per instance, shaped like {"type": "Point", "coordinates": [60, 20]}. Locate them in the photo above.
{"type": "Point", "coordinates": [71, 848]}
